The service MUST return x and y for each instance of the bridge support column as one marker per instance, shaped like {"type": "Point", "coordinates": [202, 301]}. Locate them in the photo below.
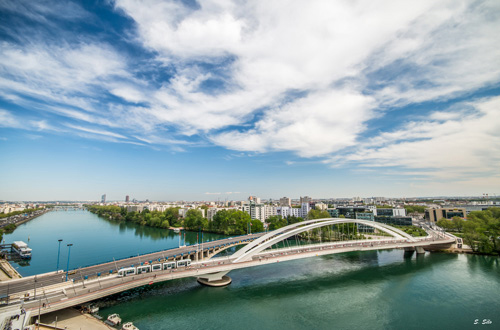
{"type": "Point", "coordinates": [215, 279]}
{"type": "Point", "coordinates": [420, 250]}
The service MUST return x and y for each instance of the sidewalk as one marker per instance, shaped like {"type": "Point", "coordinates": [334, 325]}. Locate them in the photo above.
{"type": "Point", "coordinates": [72, 319]}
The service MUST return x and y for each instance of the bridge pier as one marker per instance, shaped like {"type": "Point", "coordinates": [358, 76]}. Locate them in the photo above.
{"type": "Point", "coordinates": [410, 250]}
{"type": "Point", "coordinates": [420, 250]}
{"type": "Point", "coordinates": [215, 279]}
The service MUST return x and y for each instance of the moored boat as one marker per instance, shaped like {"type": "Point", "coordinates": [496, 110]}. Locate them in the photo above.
{"type": "Point", "coordinates": [22, 249]}
{"type": "Point", "coordinates": [114, 319]}
{"type": "Point", "coordinates": [129, 326]}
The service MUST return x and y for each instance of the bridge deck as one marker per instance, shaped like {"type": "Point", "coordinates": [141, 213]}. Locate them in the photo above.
{"type": "Point", "coordinates": [42, 280]}
{"type": "Point", "coordinates": [67, 294]}
{"type": "Point", "coordinates": [55, 293]}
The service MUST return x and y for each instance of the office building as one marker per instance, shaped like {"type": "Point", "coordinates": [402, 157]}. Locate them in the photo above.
{"type": "Point", "coordinates": [435, 214]}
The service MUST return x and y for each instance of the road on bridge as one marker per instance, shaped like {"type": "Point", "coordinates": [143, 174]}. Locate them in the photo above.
{"type": "Point", "coordinates": [32, 283]}
{"type": "Point", "coordinates": [69, 294]}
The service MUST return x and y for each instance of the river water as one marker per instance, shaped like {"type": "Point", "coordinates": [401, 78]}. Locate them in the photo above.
{"type": "Point", "coordinates": [95, 240]}
{"type": "Point", "coordinates": [358, 290]}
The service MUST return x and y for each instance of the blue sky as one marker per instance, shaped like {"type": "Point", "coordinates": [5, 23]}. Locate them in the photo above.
{"type": "Point", "coordinates": [186, 100]}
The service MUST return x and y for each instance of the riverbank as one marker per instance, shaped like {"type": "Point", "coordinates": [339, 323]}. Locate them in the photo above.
{"type": "Point", "coordinates": [20, 219]}
{"type": "Point", "coordinates": [7, 272]}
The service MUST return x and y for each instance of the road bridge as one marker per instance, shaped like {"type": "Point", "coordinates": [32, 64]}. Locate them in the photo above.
{"type": "Point", "coordinates": [212, 271]}
{"type": "Point", "coordinates": [32, 285]}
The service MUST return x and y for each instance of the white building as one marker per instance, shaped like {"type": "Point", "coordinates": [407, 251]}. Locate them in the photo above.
{"type": "Point", "coordinates": [254, 199]}
{"type": "Point", "coordinates": [269, 211]}
{"type": "Point", "coordinates": [399, 212]}
{"type": "Point", "coordinates": [321, 206]}
{"type": "Point", "coordinates": [286, 211]}
{"type": "Point", "coordinates": [135, 208]}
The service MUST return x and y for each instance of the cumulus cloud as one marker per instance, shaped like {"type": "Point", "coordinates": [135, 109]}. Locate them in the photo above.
{"type": "Point", "coordinates": [318, 124]}
{"type": "Point", "coordinates": [464, 147]}
{"type": "Point", "coordinates": [273, 76]}
{"type": "Point", "coordinates": [397, 52]}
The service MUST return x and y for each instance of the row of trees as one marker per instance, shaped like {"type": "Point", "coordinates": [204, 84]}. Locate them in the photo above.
{"type": "Point", "coordinates": [228, 222]}
{"type": "Point", "coordinates": [169, 217]}
{"type": "Point", "coordinates": [481, 230]}
{"type": "Point", "coordinates": [414, 209]}
{"type": "Point", "coordinates": [234, 222]}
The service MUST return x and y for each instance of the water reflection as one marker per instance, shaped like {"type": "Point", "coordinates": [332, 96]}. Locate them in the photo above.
{"type": "Point", "coordinates": [155, 234]}
{"type": "Point", "coordinates": [484, 264]}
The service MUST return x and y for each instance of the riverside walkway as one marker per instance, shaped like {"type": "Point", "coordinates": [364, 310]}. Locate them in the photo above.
{"type": "Point", "coordinates": [258, 251]}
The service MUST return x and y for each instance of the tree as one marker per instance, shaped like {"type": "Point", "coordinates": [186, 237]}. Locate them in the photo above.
{"type": "Point", "coordinates": [276, 221]}
{"type": "Point", "coordinates": [294, 219]}
{"type": "Point", "coordinates": [10, 228]}
{"type": "Point", "coordinates": [194, 220]}
{"type": "Point", "coordinates": [172, 216]}
{"type": "Point", "coordinates": [414, 208]}
{"type": "Point", "coordinates": [457, 223]}
{"type": "Point", "coordinates": [230, 222]}
{"type": "Point", "coordinates": [318, 214]}
{"type": "Point", "coordinates": [482, 229]}
{"type": "Point", "coordinates": [445, 224]}
{"type": "Point", "coordinates": [257, 226]}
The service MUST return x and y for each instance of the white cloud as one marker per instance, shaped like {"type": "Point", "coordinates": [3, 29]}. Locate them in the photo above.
{"type": "Point", "coordinates": [318, 124]}
{"type": "Point", "coordinates": [45, 70]}
{"type": "Point", "coordinates": [451, 51]}
{"type": "Point", "coordinates": [303, 77]}
{"type": "Point", "coordinates": [42, 10]}
{"type": "Point", "coordinates": [280, 47]}
{"type": "Point", "coordinates": [129, 93]}
{"type": "Point", "coordinates": [461, 148]}
{"type": "Point", "coordinates": [96, 131]}
{"type": "Point", "coordinates": [9, 120]}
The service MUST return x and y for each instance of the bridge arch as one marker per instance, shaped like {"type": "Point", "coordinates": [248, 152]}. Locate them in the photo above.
{"type": "Point", "coordinates": [281, 234]}
{"type": "Point", "coordinates": [220, 248]}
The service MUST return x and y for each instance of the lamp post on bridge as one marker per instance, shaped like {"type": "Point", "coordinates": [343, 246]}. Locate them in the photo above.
{"type": "Point", "coordinates": [58, 254]}
{"type": "Point", "coordinates": [67, 267]}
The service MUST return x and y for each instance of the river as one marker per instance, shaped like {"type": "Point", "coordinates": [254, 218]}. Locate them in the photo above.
{"type": "Point", "coordinates": [95, 240]}
{"type": "Point", "coordinates": [358, 290]}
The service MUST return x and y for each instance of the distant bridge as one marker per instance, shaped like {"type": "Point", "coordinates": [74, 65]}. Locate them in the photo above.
{"type": "Point", "coordinates": [210, 271]}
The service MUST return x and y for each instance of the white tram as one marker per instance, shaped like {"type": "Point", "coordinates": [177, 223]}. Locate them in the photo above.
{"type": "Point", "coordinates": [154, 267]}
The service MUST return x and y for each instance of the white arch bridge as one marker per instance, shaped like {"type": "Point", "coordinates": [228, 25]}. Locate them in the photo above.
{"type": "Point", "coordinates": [258, 249]}
{"type": "Point", "coordinates": [211, 270]}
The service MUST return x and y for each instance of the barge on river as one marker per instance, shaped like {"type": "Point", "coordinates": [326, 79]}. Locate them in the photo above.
{"type": "Point", "coordinates": [22, 249]}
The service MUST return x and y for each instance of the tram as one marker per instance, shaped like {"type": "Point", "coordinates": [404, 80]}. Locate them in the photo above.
{"type": "Point", "coordinates": [153, 268]}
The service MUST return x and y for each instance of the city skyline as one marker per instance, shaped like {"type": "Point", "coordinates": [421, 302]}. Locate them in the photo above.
{"type": "Point", "coordinates": [186, 100]}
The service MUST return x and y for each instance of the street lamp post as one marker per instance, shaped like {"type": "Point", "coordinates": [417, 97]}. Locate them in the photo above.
{"type": "Point", "coordinates": [58, 254]}
{"type": "Point", "coordinates": [67, 267]}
